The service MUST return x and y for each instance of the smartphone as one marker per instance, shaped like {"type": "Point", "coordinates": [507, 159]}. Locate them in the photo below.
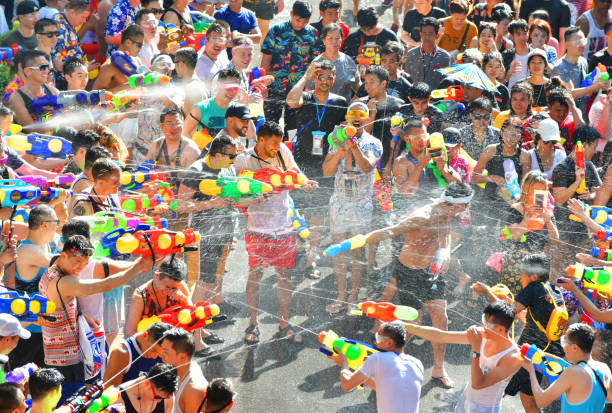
{"type": "Point", "coordinates": [540, 198]}
{"type": "Point", "coordinates": [434, 152]}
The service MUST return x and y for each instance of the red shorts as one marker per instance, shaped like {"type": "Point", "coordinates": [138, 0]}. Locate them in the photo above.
{"type": "Point", "coordinates": [269, 251]}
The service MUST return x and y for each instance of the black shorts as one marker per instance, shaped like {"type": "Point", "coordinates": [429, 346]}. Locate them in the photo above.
{"type": "Point", "coordinates": [414, 287]}
{"type": "Point", "coordinates": [30, 350]}
{"type": "Point", "coordinates": [211, 251]}
{"type": "Point", "coordinates": [521, 382]}
{"type": "Point", "coordinates": [263, 10]}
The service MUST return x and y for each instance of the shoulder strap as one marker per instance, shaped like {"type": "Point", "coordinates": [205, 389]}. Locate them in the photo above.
{"type": "Point", "coordinates": [462, 44]}
{"type": "Point", "coordinates": [106, 269]}
{"type": "Point", "coordinates": [603, 388]}
{"type": "Point", "coordinates": [74, 333]}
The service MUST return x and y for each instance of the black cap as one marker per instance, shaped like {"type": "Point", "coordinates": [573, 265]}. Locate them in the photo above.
{"type": "Point", "coordinates": [329, 4]}
{"type": "Point", "coordinates": [302, 9]}
{"type": "Point", "coordinates": [240, 111]}
{"type": "Point", "coordinates": [452, 137]}
{"type": "Point", "coordinates": [26, 7]}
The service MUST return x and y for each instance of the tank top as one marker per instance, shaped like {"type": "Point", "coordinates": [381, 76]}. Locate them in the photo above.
{"type": "Point", "coordinates": [177, 396]}
{"type": "Point", "coordinates": [142, 365]}
{"type": "Point", "coordinates": [79, 178]}
{"type": "Point", "coordinates": [596, 400]}
{"type": "Point", "coordinates": [596, 38]}
{"type": "Point", "coordinates": [535, 161]}
{"type": "Point", "coordinates": [496, 167]}
{"type": "Point", "coordinates": [92, 305]}
{"type": "Point", "coordinates": [490, 396]}
{"type": "Point", "coordinates": [129, 407]}
{"type": "Point", "coordinates": [28, 104]}
{"type": "Point", "coordinates": [151, 305]}
{"type": "Point", "coordinates": [60, 336]}
{"type": "Point", "coordinates": [163, 151]}
{"type": "Point", "coordinates": [182, 20]}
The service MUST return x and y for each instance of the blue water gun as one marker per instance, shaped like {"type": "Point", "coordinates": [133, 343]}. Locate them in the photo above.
{"type": "Point", "coordinates": [511, 187]}
{"type": "Point", "coordinates": [600, 72]}
{"type": "Point", "coordinates": [37, 144]}
{"type": "Point", "coordinates": [549, 365]}
{"type": "Point", "coordinates": [14, 192]}
{"type": "Point", "coordinates": [357, 241]}
{"type": "Point", "coordinates": [107, 247]}
{"type": "Point", "coordinates": [51, 103]}
{"type": "Point", "coordinates": [124, 63]}
{"type": "Point", "coordinates": [298, 221]}
{"type": "Point", "coordinates": [24, 307]}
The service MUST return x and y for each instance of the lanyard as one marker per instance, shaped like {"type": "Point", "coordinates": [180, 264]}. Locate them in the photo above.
{"type": "Point", "coordinates": [320, 117]}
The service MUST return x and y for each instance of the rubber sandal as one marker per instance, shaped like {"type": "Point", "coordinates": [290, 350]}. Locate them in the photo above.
{"type": "Point", "coordinates": [214, 339]}
{"type": "Point", "coordinates": [290, 334]}
{"type": "Point", "coordinates": [334, 308]}
{"type": "Point", "coordinates": [313, 273]}
{"type": "Point", "coordinates": [252, 334]}
{"type": "Point", "coordinates": [443, 381]}
{"type": "Point", "coordinates": [208, 353]}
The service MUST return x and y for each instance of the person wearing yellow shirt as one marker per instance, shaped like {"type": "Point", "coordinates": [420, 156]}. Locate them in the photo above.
{"type": "Point", "coordinates": [456, 31]}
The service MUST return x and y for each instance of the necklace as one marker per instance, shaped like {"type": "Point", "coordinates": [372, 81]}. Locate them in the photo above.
{"type": "Point", "coordinates": [155, 296]}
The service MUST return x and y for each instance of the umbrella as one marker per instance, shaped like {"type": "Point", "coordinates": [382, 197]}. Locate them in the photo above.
{"type": "Point", "coordinates": [469, 74]}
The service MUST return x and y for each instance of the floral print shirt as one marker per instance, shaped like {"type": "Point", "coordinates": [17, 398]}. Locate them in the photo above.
{"type": "Point", "coordinates": [68, 44]}
{"type": "Point", "coordinates": [120, 16]}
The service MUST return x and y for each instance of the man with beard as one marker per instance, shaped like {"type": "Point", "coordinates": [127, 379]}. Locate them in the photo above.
{"type": "Point", "coordinates": [237, 119]}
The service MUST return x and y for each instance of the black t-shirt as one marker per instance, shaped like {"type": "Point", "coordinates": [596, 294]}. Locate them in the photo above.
{"type": "Point", "coordinates": [27, 43]}
{"type": "Point", "coordinates": [307, 122]}
{"type": "Point", "coordinates": [356, 40]}
{"type": "Point", "coordinates": [413, 20]}
{"type": "Point", "coordinates": [399, 88]}
{"type": "Point", "coordinates": [435, 116]}
{"type": "Point", "coordinates": [538, 301]}
{"type": "Point", "coordinates": [381, 129]}
{"type": "Point", "coordinates": [558, 10]}
{"type": "Point", "coordinates": [602, 57]}
{"type": "Point", "coordinates": [502, 97]}
{"type": "Point", "coordinates": [535, 241]}
{"type": "Point", "coordinates": [563, 176]}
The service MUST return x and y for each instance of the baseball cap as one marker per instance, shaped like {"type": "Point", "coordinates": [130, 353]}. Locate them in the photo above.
{"type": "Point", "coordinates": [548, 130]}
{"type": "Point", "coordinates": [10, 326]}
{"type": "Point", "coordinates": [26, 7]}
{"type": "Point", "coordinates": [240, 111]}
{"type": "Point", "coordinates": [302, 9]}
{"type": "Point", "coordinates": [452, 137]}
{"type": "Point", "coordinates": [357, 105]}
{"type": "Point", "coordinates": [537, 52]}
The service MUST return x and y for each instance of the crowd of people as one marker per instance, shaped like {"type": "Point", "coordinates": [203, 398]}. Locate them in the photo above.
{"type": "Point", "coordinates": [474, 137]}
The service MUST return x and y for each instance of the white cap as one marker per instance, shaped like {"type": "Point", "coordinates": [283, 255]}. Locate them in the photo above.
{"type": "Point", "coordinates": [10, 326]}
{"type": "Point", "coordinates": [548, 130]}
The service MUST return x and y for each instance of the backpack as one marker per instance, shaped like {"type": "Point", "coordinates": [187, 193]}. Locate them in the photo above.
{"type": "Point", "coordinates": [557, 322]}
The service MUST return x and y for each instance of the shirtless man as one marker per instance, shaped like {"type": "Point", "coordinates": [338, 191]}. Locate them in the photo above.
{"type": "Point", "coordinates": [103, 195]}
{"type": "Point", "coordinates": [177, 350]}
{"type": "Point", "coordinates": [426, 236]}
{"type": "Point", "coordinates": [110, 77]}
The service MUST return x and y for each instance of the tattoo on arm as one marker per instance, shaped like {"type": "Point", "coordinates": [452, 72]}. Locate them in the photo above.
{"type": "Point", "coordinates": [79, 211]}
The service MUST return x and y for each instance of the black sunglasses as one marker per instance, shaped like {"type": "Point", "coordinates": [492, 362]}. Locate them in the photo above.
{"type": "Point", "coordinates": [44, 66]}
{"type": "Point", "coordinates": [161, 11]}
{"type": "Point", "coordinates": [56, 34]}
{"type": "Point", "coordinates": [231, 155]}
{"type": "Point", "coordinates": [483, 116]}
{"type": "Point", "coordinates": [139, 44]}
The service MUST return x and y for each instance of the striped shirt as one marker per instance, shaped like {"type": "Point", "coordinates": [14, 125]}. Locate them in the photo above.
{"type": "Point", "coordinates": [59, 339]}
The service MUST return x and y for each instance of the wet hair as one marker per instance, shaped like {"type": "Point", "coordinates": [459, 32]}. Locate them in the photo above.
{"type": "Point", "coordinates": [539, 24]}
{"type": "Point", "coordinates": [218, 27]}
{"type": "Point", "coordinates": [9, 396]}
{"type": "Point", "coordinates": [396, 332]}
{"type": "Point", "coordinates": [76, 227]}
{"type": "Point", "coordinates": [491, 56]}
{"type": "Point", "coordinates": [133, 32]}
{"type": "Point", "coordinates": [332, 27]}
{"type": "Point", "coordinates": [413, 123]}
{"type": "Point", "coordinates": [219, 393]}
{"type": "Point", "coordinates": [557, 95]}
{"type": "Point", "coordinates": [486, 26]}
{"type": "Point", "coordinates": [77, 5]}
{"type": "Point", "coordinates": [173, 268]}
{"type": "Point", "coordinates": [367, 17]}
{"type": "Point", "coordinates": [536, 264]}
{"type": "Point", "coordinates": [103, 168]}
{"type": "Point", "coordinates": [40, 25]}
{"type": "Point", "coordinates": [181, 341]}
{"type": "Point", "coordinates": [39, 214]}
{"type": "Point", "coordinates": [78, 244]}
{"type": "Point", "coordinates": [329, 4]}
{"type": "Point", "coordinates": [501, 313]}
{"type": "Point", "coordinates": [241, 40]}
{"type": "Point", "coordinates": [419, 90]}
{"type": "Point", "coordinates": [514, 122]}
{"type": "Point", "coordinates": [555, 82]}
{"type": "Point", "coordinates": [515, 25]}
{"type": "Point", "coordinates": [268, 129]}
{"type": "Point", "coordinates": [71, 64]}
{"type": "Point", "coordinates": [586, 134]}
{"type": "Point", "coordinates": [481, 103]}
{"type": "Point", "coordinates": [501, 12]}
{"type": "Point", "coordinates": [431, 21]}
{"type": "Point", "coordinates": [164, 377]}
{"type": "Point", "coordinates": [219, 144]}
{"type": "Point", "coordinates": [327, 65]}
{"type": "Point", "coordinates": [526, 89]}
{"type": "Point", "coordinates": [458, 6]}
{"type": "Point", "coordinates": [457, 190]}
{"type": "Point", "coordinates": [157, 330]}
{"type": "Point", "coordinates": [393, 47]}
{"type": "Point", "coordinates": [85, 138]}
{"type": "Point", "coordinates": [94, 153]}
{"type": "Point", "coordinates": [540, 14]}
{"type": "Point", "coordinates": [43, 381]}
{"type": "Point", "coordinates": [570, 32]}
{"type": "Point", "coordinates": [380, 72]}
{"type": "Point", "coordinates": [582, 335]}
{"type": "Point", "coordinates": [229, 73]}
{"type": "Point", "coordinates": [302, 9]}
{"type": "Point", "coordinates": [170, 110]}
{"type": "Point", "coordinates": [5, 111]}
{"type": "Point", "coordinates": [531, 178]}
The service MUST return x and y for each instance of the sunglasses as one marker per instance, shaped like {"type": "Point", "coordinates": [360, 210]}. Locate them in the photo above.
{"type": "Point", "coordinates": [43, 67]}
{"type": "Point", "coordinates": [357, 114]}
{"type": "Point", "coordinates": [138, 44]}
{"type": "Point", "coordinates": [157, 11]}
{"type": "Point", "coordinates": [57, 221]}
{"type": "Point", "coordinates": [49, 34]}
{"type": "Point", "coordinates": [230, 155]}
{"type": "Point", "coordinates": [325, 78]}
{"type": "Point", "coordinates": [482, 116]}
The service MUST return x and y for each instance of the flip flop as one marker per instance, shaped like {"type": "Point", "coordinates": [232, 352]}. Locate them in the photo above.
{"type": "Point", "coordinates": [214, 339]}
{"type": "Point", "coordinates": [334, 308]}
{"type": "Point", "coordinates": [443, 381]}
{"type": "Point", "coordinates": [208, 353]}
{"type": "Point", "coordinates": [290, 334]}
{"type": "Point", "coordinates": [251, 334]}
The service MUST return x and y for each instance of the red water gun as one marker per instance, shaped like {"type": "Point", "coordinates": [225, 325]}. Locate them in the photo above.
{"type": "Point", "coordinates": [185, 316]}
{"type": "Point", "coordinates": [580, 164]}
{"type": "Point", "coordinates": [386, 312]}
{"type": "Point", "coordinates": [382, 193]}
{"type": "Point", "coordinates": [157, 242]}
{"type": "Point", "coordinates": [279, 180]}
{"type": "Point", "coordinates": [450, 93]}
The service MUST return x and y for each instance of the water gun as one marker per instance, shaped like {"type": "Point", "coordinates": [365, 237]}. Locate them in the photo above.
{"type": "Point", "coordinates": [91, 75]}
{"type": "Point", "coordinates": [386, 312]}
{"type": "Point", "coordinates": [450, 93]}
{"type": "Point", "coordinates": [109, 396]}
{"type": "Point", "coordinates": [598, 278]}
{"type": "Point", "coordinates": [133, 180]}
{"type": "Point", "coordinates": [107, 246]}
{"type": "Point", "coordinates": [448, 106]}
{"type": "Point", "coordinates": [382, 193]}
{"type": "Point", "coordinates": [123, 62]}
{"type": "Point", "coordinates": [140, 203]}
{"type": "Point", "coordinates": [511, 188]}
{"type": "Point", "coordinates": [37, 144]}
{"type": "Point", "coordinates": [277, 179]}
{"type": "Point", "coordinates": [355, 351]}
{"type": "Point", "coordinates": [341, 133]}
{"type": "Point", "coordinates": [436, 141]}
{"type": "Point", "coordinates": [148, 79]}
{"type": "Point", "coordinates": [24, 307]}
{"type": "Point", "coordinates": [257, 111]}
{"type": "Point", "coordinates": [604, 235]}
{"type": "Point", "coordinates": [233, 187]}
{"type": "Point", "coordinates": [199, 26]}
{"type": "Point", "coordinates": [14, 192]}
{"type": "Point", "coordinates": [21, 215]}
{"type": "Point", "coordinates": [174, 35]}
{"type": "Point", "coordinates": [157, 242]}
{"type": "Point", "coordinates": [547, 364]}
{"type": "Point", "coordinates": [188, 317]}
{"type": "Point", "coordinates": [123, 101]}
{"type": "Point", "coordinates": [298, 221]}
{"type": "Point", "coordinates": [43, 182]}
{"type": "Point", "coordinates": [80, 401]}
{"type": "Point", "coordinates": [600, 214]}
{"type": "Point", "coordinates": [601, 253]}
{"type": "Point", "coordinates": [591, 294]}
{"type": "Point", "coordinates": [20, 374]}
{"type": "Point", "coordinates": [14, 129]}
{"type": "Point", "coordinates": [580, 164]}
{"type": "Point", "coordinates": [599, 73]}
{"type": "Point", "coordinates": [203, 139]}
{"type": "Point", "coordinates": [154, 222]}
{"type": "Point", "coordinates": [441, 255]}
{"type": "Point", "coordinates": [106, 221]}
{"type": "Point", "coordinates": [7, 53]}
{"type": "Point", "coordinates": [49, 103]}
{"type": "Point", "coordinates": [357, 241]}
{"type": "Point", "coordinates": [254, 74]}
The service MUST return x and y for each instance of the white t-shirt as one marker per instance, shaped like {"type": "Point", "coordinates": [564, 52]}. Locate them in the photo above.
{"type": "Point", "coordinates": [398, 379]}
{"type": "Point", "coordinates": [92, 305]}
{"type": "Point", "coordinates": [270, 216]}
{"type": "Point", "coordinates": [521, 74]}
